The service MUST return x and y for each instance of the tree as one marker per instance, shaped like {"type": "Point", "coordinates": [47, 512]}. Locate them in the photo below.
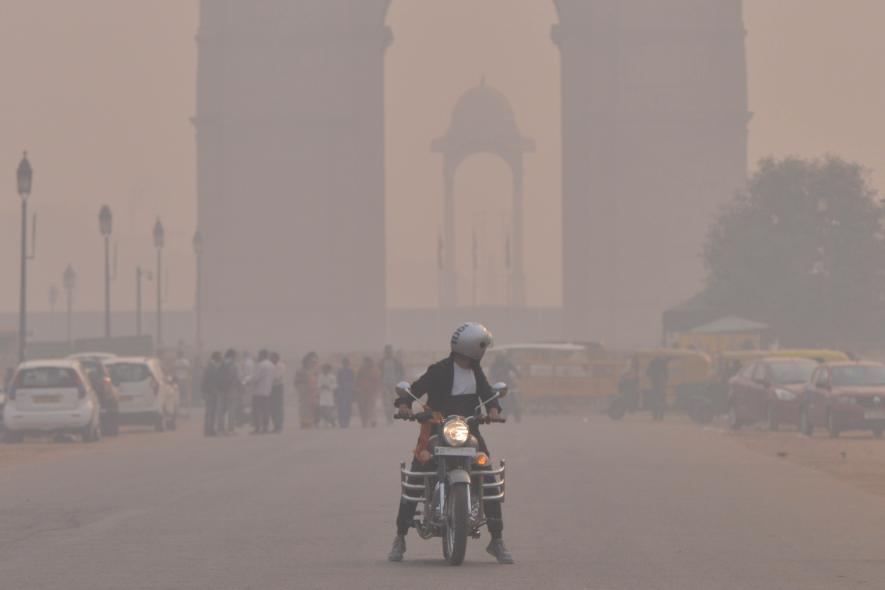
{"type": "Point", "coordinates": [802, 249]}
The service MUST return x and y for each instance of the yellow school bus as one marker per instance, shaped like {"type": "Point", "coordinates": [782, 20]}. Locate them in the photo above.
{"type": "Point", "coordinates": [558, 376]}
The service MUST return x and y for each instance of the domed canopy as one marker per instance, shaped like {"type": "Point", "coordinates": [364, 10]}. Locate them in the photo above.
{"type": "Point", "coordinates": [483, 121]}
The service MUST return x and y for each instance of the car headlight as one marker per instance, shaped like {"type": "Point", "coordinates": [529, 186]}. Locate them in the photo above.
{"type": "Point", "coordinates": [785, 395]}
{"type": "Point", "coordinates": [456, 432]}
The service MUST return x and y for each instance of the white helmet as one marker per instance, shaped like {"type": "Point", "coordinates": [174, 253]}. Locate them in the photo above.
{"type": "Point", "coordinates": [472, 340]}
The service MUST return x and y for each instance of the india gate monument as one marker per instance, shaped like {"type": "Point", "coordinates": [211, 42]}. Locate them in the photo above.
{"type": "Point", "coordinates": [290, 132]}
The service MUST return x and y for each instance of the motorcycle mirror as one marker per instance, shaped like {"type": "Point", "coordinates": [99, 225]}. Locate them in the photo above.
{"type": "Point", "coordinates": [500, 389]}
{"type": "Point", "coordinates": [404, 389]}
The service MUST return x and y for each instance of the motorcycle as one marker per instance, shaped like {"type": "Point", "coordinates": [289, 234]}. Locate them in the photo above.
{"type": "Point", "coordinates": [460, 478]}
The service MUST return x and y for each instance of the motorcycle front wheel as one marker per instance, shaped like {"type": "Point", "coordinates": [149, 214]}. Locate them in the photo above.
{"type": "Point", "coordinates": [457, 516]}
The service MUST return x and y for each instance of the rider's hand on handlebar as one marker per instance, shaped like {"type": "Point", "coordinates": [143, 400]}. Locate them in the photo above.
{"type": "Point", "coordinates": [405, 411]}
{"type": "Point", "coordinates": [494, 413]}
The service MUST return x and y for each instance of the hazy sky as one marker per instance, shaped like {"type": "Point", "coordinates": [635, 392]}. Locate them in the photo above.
{"type": "Point", "coordinates": [101, 92]}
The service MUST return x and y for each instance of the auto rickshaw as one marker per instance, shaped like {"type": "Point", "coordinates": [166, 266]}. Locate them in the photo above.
{"type": "Point", "coordinates": [705, 404]}
{"type": "Point", "coordinates": [686, 371]}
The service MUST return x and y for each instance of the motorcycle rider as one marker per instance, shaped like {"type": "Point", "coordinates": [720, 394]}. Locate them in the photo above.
{"type": "Point", "coordinates": [455, 386]}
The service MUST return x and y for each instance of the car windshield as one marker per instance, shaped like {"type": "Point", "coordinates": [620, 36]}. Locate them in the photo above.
{"type": "Point", "coordinates": [129, 372]}
{"type": "Point", "coordinates": [792, 372]}
{"type": "Point", "coordinates": [46, 378]}
{"type": "Point", "coordinates": [860, 376]}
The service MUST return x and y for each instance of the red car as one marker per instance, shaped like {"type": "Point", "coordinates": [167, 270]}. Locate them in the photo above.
{"type": "Point", "coordinates": [768, 390]}
{"type": "Point", "coordinates": [845, 396]}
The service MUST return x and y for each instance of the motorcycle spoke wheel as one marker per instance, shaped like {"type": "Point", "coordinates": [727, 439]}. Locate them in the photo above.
{"type": "Point", "coordinates": [456, 527]}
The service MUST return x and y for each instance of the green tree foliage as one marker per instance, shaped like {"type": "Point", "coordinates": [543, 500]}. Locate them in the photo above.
{"type": "Point", "coordinates": [802, 249]}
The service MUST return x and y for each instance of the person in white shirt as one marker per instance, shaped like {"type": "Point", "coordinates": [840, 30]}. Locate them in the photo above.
{"type": "Point", "coordinates": [327, 383]}
{"type": "Point", "coordinates": [278, 393]}
{"type": "Point", "coordinates": [262, 386]}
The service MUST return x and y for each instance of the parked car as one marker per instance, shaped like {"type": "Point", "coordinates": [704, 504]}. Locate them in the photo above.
{"type": "Point", "coordinates": [108, 393]}
{"type": "Point", "coordinates": [845, 396]}
{"type": "Point", "coordinates": [147, 395]}
{"type": "Point", "coordinates": [51, 397]}
{"type": "Point", "coordinates": [768, 390]}
{"type": "Point", "coordinates": [704, 404]}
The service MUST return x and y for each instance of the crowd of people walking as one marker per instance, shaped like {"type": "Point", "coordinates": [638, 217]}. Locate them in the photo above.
{"type": "Point", "coordinates": [239, 391]}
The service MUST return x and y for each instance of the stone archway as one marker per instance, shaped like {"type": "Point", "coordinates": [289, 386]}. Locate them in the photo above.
{"type": "Point", "coordinates": [483, 122]}
{"type": "Point", "coordinates": [654, 136]}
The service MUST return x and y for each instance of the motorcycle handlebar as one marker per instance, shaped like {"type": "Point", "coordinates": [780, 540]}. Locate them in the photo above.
{"type": "Point", "coordinates": [426, 416]}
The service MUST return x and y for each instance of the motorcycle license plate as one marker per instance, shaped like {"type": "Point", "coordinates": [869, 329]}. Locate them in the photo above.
{"type": "Point", "coordinates": [875, 415]}
{"type": "Point", "coordinates": [455, 452]}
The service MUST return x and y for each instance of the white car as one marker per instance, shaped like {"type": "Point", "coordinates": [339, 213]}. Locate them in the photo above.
{"type": "Point", "coordinates": [147, 395]}
{"type": "Point", "coordinates": [51, 397]}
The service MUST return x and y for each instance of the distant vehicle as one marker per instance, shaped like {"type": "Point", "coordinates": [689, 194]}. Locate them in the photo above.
{"type": "Point", "coordinates": [705, 404]}
{"type": "Point", "coordinates": [845, 396]}
{"type": "Point", "coordinates": [147, 395]}
{"type": "Point", "coordinates": [688, 371]}
{"type": "Point", "coordinates": [108, 393]}
{"type": "Point", "coordinates": [51, 397]}
{"type": "Point", "coordinates": [560, 377]}
{"type": "Point", "coordinates": [768, 390]}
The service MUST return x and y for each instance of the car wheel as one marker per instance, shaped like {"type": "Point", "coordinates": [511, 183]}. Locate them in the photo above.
{"type": "Point", "coordinates": [160, 424]}
{"type": "Point", "coordinates": [733, 422]}
{"type": "Point", "coordinates": [877, 432]}
{"type": "Point", "coordinates": [832, 427]}
{"type": "Point", "coordinates": [772, 419]}
{"type": "Point", "coordinates": [13, 438]}
{"type": "Point", "coordinates": [805, 426]}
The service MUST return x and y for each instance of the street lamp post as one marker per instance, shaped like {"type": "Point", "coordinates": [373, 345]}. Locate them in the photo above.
{"type": "Point", "coordinates": [24, 176]}
{"type": "Point", "coordinates": [53, 298]}
{"type": "Point", "coordinates": [69, 280]}
{"type": "Point", "coordinates": [198, 296]}
{"type": "Point", "coordinates": [139, 274]}
{"type": "Point", "coordinates": [159, 242]}
{"type": "Point", "coordinates": [105, 225]}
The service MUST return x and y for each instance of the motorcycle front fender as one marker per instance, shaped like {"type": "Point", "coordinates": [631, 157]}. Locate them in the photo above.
{"type": "Point", "coordinates": [456, 476]}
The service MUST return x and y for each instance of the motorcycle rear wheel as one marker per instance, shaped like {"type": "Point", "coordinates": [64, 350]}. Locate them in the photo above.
{"type": "Point", "coordinates": [455, 533]}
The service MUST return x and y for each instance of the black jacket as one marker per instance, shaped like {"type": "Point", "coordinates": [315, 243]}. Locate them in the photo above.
{"type": "Point", "coordinates": [437, 384]}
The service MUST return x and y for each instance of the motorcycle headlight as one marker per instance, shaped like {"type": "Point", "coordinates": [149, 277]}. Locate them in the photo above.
{"type": "Point", "coordinates": [456, 432]}
{"type": "Point", "coordinates": [785, 395]}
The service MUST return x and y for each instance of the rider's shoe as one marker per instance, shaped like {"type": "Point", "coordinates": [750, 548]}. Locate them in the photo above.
{"type": "Point", "coordinates": [499, 551]}
{"type": "Point", "coordinates": [398, 549]}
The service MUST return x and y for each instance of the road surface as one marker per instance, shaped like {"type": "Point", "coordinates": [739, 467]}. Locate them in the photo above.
{"type": "Point", "coordinates": [593, 504]}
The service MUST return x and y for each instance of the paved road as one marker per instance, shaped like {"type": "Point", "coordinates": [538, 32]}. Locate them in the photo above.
{"type": "Point", "coordinates": [593, 504]}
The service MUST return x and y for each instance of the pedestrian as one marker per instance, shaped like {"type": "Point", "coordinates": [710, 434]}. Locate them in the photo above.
{"type": "Point", "coordinates": [368, 387]}
{"type": "Point", "coordinates": [345, 393]}
{"type": "Point", "coordinates": [247, 368]}
{"type": "Point", "coordinates": [392, 372]}
{"type": "Point", "coordinates": [230, 385]}
{"type": "Point", "coordinates": [278, 393]}
{"type": "Point", "coordinates": [182, 373]}
{"type": "Point", "coordinates": [262, 384]}
{"type": "Point", "coordinates": [306, 387]}
{"type": "Point", "coordinates": [327, 384]}
{"type": "Point", "coordinates": [211, 393]}
{"type": "Point", "coordinates": [658, 374]}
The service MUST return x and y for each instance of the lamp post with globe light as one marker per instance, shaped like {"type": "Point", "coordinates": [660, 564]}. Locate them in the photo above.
{"type": "Point", "coordinates": [24, 177]}
{"type": "Point", "coordinates": [198, 298]}
{"type": "Point", "coordinates": [159, 242]}
{"type": "Point", "coordinates": [69, 280]}
{"type": "Point", "coordinates": [105, 225]}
